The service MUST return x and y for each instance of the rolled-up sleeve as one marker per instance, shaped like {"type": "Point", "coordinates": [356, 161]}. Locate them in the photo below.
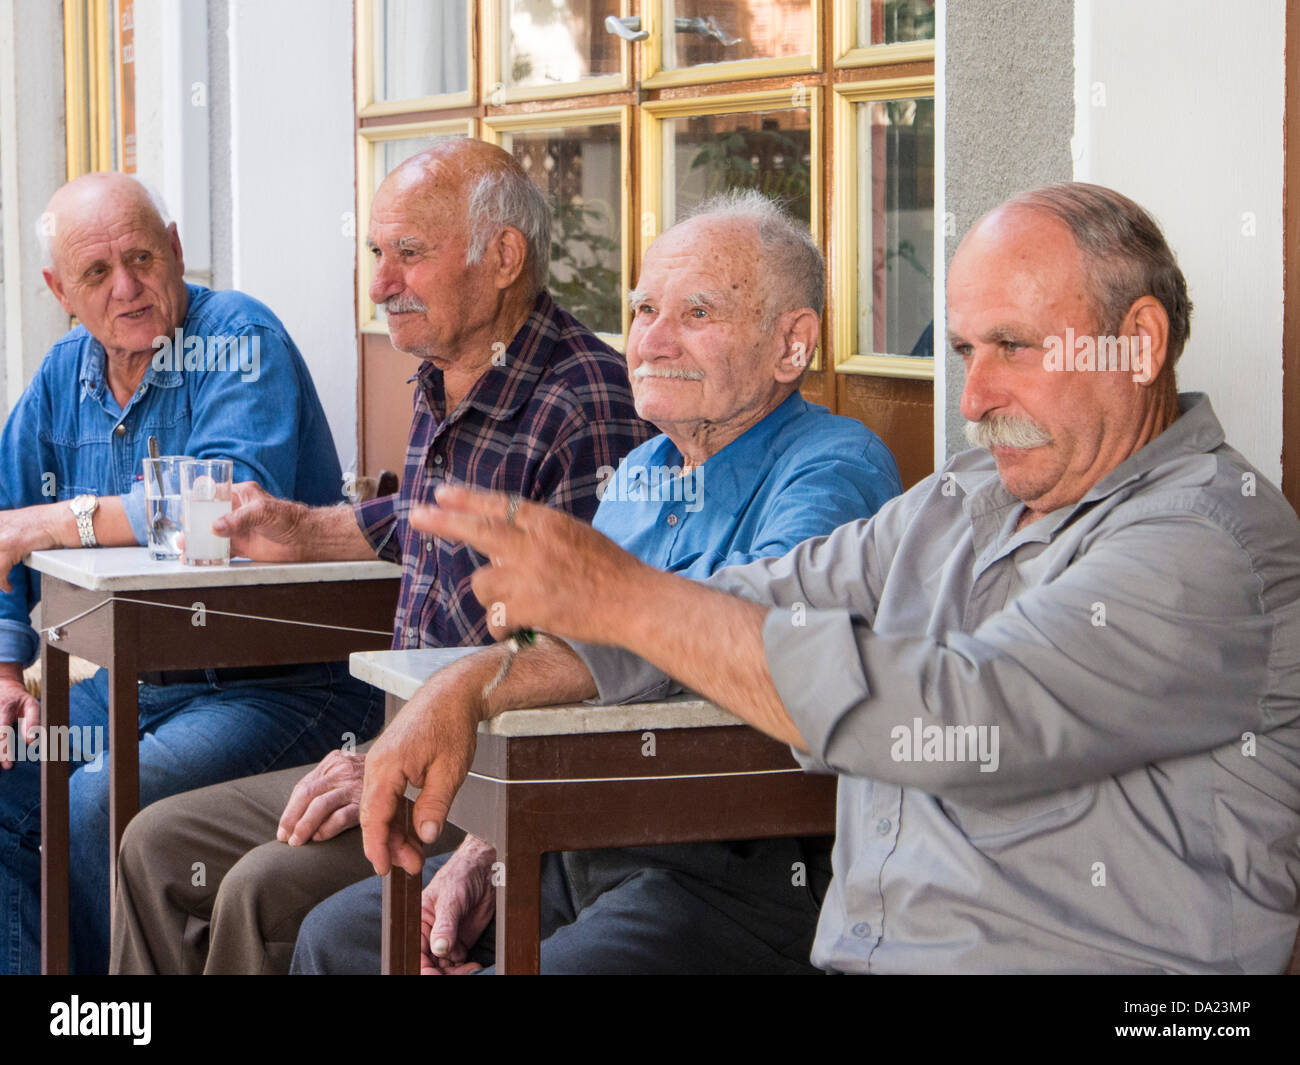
{"type": "Point", "coordinates": [377, 519]}
{"type": "Point", "coordinates": [24, 465]}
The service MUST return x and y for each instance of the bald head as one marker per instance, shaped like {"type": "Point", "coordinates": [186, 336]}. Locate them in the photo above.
{"type": "Point", "coordinates": [96, 196]}
{"type": "Point", "coordinates": [484, 185]}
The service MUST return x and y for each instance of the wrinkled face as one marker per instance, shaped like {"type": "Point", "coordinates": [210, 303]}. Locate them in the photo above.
{"type": "Point", "coordinates": [696, 352]}
{"type": "Point", "coordinates": [432, 300]}
{"type": "Point", "coordinates": [1015, 281]}
{"type": "Point", "coordinates": [118, 270]}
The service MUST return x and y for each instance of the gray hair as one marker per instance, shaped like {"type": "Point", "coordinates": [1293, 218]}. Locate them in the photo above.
{"type": "Point", "coordinates": [793, 264]}
{"type": "Point", "coordinates": [1125, 256]}
{"type": "Point", "coordinates": [45, 224]}
{"type": "Point", "coordinates": [506, 197]}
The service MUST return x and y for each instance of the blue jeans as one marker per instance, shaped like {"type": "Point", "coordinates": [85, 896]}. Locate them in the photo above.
{"type": "Point", "coordinates": [191, 735]}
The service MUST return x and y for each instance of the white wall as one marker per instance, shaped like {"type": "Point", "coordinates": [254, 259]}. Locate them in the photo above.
{"type": "Point", "coordinates": [1180, 106]}
{"type": "Point", "coordinates": [292, 180]}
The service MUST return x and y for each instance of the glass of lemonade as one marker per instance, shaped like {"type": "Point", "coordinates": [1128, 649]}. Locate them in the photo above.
{"type": "Point", "coordinates": [205, 496]}
{"type": "Point", "coordinates": [162, 499]}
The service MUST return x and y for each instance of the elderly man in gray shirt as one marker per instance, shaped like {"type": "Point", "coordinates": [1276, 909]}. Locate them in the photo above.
{"type": "Point", "coordinates": [1059, 679]}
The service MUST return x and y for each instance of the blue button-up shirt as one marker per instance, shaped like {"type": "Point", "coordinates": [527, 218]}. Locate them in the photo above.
{"type": "Point", "coordinates": [68, 436]}
{"type": "Point", "coordinates": [798, 473]}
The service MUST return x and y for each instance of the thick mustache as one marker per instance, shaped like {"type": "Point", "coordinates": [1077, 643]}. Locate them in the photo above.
{"type": "Point", "coordinates": [679, 375]}
{"type": "Point", "coordinates": [404, 305]}
{"type": "Point", "coordinates": [1001, 430]}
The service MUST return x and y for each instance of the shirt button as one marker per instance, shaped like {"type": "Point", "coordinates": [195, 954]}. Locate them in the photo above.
{"type": "Point", "coordinates": [437, 460]}
{"type": "Point", "coordinates": [120, 430]}
{"type": "Point", "coordinates": [882, 826]}
{"type": "Point", "coordinates": [428, 545]}
{"type": "Point", "coordinates": [672, 519]}
{"type": "Point", "coordinates": [862, 929]}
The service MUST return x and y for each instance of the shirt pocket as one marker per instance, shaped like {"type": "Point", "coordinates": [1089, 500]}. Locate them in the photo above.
{"type": "Point", "coordinates": [1012, 821]}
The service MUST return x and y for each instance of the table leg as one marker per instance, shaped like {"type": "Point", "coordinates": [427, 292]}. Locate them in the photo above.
{"type": "Point", "coordinates": [400, 945]}
{"type": "Point", "coordinates": [54, 816]}
{"type": "Point", "coordinates": [123, 743]}
{"type": "Point", "coordinates": [519, 913]}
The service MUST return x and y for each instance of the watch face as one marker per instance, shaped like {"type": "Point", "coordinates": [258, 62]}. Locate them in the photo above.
{"type": "Point", "coordinates": [83, 504]}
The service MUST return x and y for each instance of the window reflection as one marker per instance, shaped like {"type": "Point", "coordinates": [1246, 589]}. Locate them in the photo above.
{"type": "Point", "coordinates": [723, 31]}
{"type": "Point", "coordinates": [765, 150]}
{"type": "Point", "coordinates": [557, 42]}
{"type": "Point", "coordinates": [894, 21]}
{"type": "Point", "coordinates": [578, 170]}
{"type": "Point", "coordinates": [420, 48]}
{"type": "Point", "coordinates": [896, 227]}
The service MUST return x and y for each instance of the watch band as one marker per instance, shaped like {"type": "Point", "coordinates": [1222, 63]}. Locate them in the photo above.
{"type": "Point", "coordinates": [84, 508]}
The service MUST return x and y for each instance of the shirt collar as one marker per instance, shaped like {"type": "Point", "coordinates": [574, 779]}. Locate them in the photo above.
{"type": "Point", "coordinates": [93, 363]}
{"type": "Point", "coordinates": [1195, 431]}
{"type": "Point", "coordinates": [503, 389]}
{"type": "Point", "coordinates": [732, 473]}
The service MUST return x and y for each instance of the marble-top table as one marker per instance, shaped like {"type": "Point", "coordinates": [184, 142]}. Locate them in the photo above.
{"type": "Point", "coordinates": [119, 609]}
{"type": "Point", "coordinates": [563, 778]}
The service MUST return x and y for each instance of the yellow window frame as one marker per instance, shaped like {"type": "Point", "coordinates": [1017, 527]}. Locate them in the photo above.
{"type": "Point", "coordinates": [848, 53]}
{"type": "Point", "coordinates": [368, 107]}
{"type": "Point", "coordinates": [844, 230]}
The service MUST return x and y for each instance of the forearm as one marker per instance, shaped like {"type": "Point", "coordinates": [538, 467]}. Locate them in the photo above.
{"type": "Point", "coordinates": [11, 671]}
{"type": "Point", "coordinates": [665, 629]}
{"type": "Point", "coordinates": [330, 534]}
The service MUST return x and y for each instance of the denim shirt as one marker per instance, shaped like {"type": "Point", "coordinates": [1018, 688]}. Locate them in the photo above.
{"type": "Point", "coordinates": [67, 435]}
{"type": "Point", "coordinates": [798, 473]}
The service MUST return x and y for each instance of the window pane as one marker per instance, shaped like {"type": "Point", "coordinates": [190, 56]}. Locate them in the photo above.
{"type": "Point", "coordinates": [578, 170]}
{"type": "Point", "coordinates": [420, 48]}
{"type": "Point", "coordinates": [722, 31]}
{"type": "Point", "coordinates": [896, 227]}
{"type": "Point", "coordinates": [557, 42]}
{"type": "Point", "coordinates": [894, 21]}
{"type": "Point", "coordinates": [765, 150]}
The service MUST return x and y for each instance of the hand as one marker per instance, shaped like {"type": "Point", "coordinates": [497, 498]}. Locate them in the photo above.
{"type": "Point", "coordinates": [325, 802]}
{"type": "Point", "coordinates": [24, 531]}
{"type": "Point", "coordinates": [549, 572]}
{"type": "Point", "coordinates": [430, 745]}
{"type": "Point", "coordinates": [262, 527]}
{"type": "Point", "coordinates": [17, 707]}
{"type": "Point", "coordinates": [455, 908]}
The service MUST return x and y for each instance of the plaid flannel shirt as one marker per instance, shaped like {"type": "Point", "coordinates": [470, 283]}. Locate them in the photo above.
{"type": "Point", "coordinates": [541, 424]}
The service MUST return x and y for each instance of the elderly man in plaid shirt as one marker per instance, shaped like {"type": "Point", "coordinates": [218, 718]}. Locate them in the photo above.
{"type": "Point", "coordinates": [512, 394]}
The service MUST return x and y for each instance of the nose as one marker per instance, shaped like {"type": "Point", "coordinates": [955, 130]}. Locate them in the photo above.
{"type": "Point", "coordinates": [387, 281]}
{"type": "Point", "coordinates": [655, 338]}
{"type": "Point", "coordinates": [126, 286]}
{"type": "Point", "coordinates": [982, 391]}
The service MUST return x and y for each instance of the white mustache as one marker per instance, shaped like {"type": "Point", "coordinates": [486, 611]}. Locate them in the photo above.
{"type": "Point", "coordinates": [404, 305]}
{"type": "Point", "coordinates": [644, 370]}
{"type": "Point", "coordinates": [1001, 430]}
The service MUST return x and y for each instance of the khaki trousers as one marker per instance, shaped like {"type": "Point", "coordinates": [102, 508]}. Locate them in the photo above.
{"type": "Point", "coordinates": [204, 886]}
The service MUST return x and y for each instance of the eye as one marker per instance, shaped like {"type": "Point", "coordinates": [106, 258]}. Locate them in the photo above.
{"type": "Point", "coordinates": [142, 257]}
{"type": "Point", "coordinates": [963, 350]}
{"type": "Point", "coordinates": [643, 309]}
{"type": "Point", "coordinates": [699, 312]}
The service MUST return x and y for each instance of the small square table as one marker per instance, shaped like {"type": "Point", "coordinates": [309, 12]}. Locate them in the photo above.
{"type": "Point", "coordinates": [119, 609]}
{"type": "Point", "coordinates": [565, 778]}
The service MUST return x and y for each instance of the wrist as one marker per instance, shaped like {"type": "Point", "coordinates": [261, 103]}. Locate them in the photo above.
{"type": "Point", "coordinates": [56, 527]}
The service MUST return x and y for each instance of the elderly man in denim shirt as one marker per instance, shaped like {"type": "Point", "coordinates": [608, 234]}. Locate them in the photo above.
{"type": "Point", "coordinates": [70, 464]}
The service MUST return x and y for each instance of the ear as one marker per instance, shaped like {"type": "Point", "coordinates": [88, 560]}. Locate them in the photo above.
{"type": "Point", "coordinates": [56, 286]}
{"type": "Point", "coordinates": [1148, 321]}
{"type": "Point", "coordinates": [799, 332]}
{"type": "Point", "coordinates": [509, 254]}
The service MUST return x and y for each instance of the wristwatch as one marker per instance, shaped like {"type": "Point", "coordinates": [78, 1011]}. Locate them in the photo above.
{"type": "Point", "coordinates": [84, 508]}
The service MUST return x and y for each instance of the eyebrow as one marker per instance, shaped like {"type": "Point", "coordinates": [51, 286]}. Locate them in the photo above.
{"type": "Point", "coordinates": [402, 243]}
{"type": "Point", "coordinates": [635, 296]}
{"type": "Point", "coordinates": [1001, 332]}
{"type": "Point", "coordinates": [708, 299]}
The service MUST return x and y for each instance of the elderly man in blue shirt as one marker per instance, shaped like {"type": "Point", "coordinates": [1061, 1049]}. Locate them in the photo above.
{"type": "Point", "coordinates": [724, 320]}
{"type": "Point", "coordinates": [70, 476]}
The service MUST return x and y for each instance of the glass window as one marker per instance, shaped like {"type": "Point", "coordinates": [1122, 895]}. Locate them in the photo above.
{"type": "Point", "coordinates": [578, 168]}
{"type": "Point", "coordinates": [894, 21]}
{"type": "Point", "coordinates": [895, 196]}
{"type": "Point", "coordinates": [722, 31]}
{"type": "Point", "coordinates": [557, 42]}
{"type": "Point", "coordinates": [420, 49]}
{"type": "Point", "coordinates": [766, 150]}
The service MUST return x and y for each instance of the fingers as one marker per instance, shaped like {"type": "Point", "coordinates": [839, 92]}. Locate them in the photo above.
{"type": "Point", "coordinates": [383, 832]}
{"type": "Point", "coordinates": [318, 811]}
{"type": "Point", "coordinates": [31, 717]}
{"type": "Point", "coordinates": [343, 818]}
{"type": "Point", "coordinates": [434, 803]}
{"type": "Point", "coordinates": [486, 535]}
{"type": "Point", "coordinates": [299, 799]}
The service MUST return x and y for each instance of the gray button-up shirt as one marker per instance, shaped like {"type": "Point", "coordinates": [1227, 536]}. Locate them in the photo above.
{"type": "Point", "coordinates": [1069, 748]}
